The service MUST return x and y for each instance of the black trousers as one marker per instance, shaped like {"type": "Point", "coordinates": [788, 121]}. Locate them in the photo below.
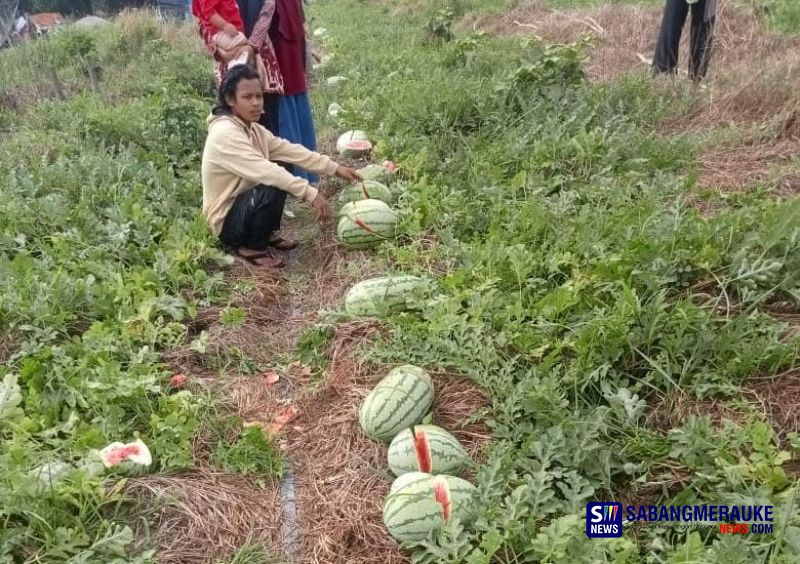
{"type": "Point", "coordinates": [665, 59]}
{"type": "Point", "coordinates": [255, 215]}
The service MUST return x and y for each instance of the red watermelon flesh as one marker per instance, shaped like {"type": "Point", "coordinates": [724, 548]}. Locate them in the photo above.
{"type": "Point", "coordinates": [441, 493]}
{"type": "Point", "coordinates": [423, 450]}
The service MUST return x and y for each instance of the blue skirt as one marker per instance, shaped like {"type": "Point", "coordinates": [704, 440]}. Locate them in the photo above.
{"type": "Point", "coordinates": [296, 124]}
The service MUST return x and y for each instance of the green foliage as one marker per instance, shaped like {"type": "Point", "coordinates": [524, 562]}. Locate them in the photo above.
{"type": "Point", "coordinates": [251, 554]}
{"type": "Point", "coordinates": [101, 242]}
{"type": "Point", "coordinates": [251, 453]}
{"type": "Point", "coordinates": [782, 15]}
{"type": "Point", "coordinates": [576, 286]}
{"type": "Point", "coordinates": [81, 7]}
{"type": "Point", "coordinates": [312, 346]}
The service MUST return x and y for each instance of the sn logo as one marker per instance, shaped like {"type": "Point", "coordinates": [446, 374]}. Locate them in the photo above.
{"type": "Point", "coordinates": [604, 520]}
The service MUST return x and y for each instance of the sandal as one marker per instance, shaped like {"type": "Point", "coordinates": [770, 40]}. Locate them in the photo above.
{"type": "Point", "coordinates": [282, 244]}
{"type": "Point", "coordinates": [254, 259]}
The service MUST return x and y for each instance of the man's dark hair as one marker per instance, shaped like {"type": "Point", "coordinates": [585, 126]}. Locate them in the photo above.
{"type": "Point", "coordinates": [229, 84]}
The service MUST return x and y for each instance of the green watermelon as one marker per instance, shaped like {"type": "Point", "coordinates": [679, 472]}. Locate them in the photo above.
{"type": "Point", "coordinates": [367, 190]}
{"type": "Point", "coordinates": [385, 295]}
{"type": "Point", "coordinates": [418, 505]}
{"type": "Point", "coordinates": [366, 223]}
{"type": "Point", "coordinates": [406, 479]}
{"type": "Point", "coordinates": [364, 205]}
{"type": "Point", "coordinates": [426, 448]}
{"type": "Point", "coordinates": [401, 399]}
{"type": "Point", "coordinates": [376, 172]}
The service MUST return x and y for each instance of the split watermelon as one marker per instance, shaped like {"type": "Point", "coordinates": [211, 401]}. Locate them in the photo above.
{"type": "Point", "coordinates": [426, 448]}
{"type": "Point", "coordinates": [366, 223]}
{"type": "Point", "coordinates": [348, 136]}
{"type": "Point", "coordinates": [418, 504]}
{"type": "Point", "coordinates": [356, 149]}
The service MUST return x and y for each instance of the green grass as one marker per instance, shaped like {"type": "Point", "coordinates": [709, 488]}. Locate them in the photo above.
{"type": "Point", "coordinates": [572, 292]}
{"type": "Point", "coordinates": [104, 256]}
{"type": "Point", "coordinates": [569, 296]}
{"type": "Point", "coordinates": [593, 3]}
{"type": "Point", "coordinates": [252, 555]}
{"type": "Point", "coordinates": [783, 15]}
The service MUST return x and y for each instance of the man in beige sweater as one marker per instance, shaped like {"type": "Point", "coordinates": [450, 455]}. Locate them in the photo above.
{"type": "Point", "coordinates": [244, 190]}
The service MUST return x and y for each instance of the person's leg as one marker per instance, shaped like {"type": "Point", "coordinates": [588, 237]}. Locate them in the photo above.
{"type": "Point", "coordinates": [701, 38]}
{"type": "Point", "coordinates": [253, 218]}
{"type": "Point", "coordinates": [296, 125]}
{"type": "Point", "coordinates": [270, 119]}
{"type": "Point", "coordinates": [665, 58]}
{"type": "Point", "coordinates": [265, 218]}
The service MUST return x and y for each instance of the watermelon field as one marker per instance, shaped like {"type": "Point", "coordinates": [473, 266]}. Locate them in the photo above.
{"type": "Point", "coordinates": [594, 296]}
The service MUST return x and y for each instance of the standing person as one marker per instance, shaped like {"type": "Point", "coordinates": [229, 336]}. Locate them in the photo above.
{"type": "Point", "coordinates": [244, 190]}
{"type": "Point", "coordinates": [281, 23]}
{"type": "Point", "coordinates": [665, 59]}
{"type": "Point", "coordinates": [257, 16]}
{"type": "Point", "coordinates": [220, 23]}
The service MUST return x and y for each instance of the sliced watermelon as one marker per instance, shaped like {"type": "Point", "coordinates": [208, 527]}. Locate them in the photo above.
{"type": "Point", "coordinates": [355, 149]}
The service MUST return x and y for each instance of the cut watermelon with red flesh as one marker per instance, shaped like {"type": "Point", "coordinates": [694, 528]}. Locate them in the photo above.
{"type": "Point", "coordinates": [441, 493]}
{"type": "Point", "coordinates": [355, 149]}
{"type": "Point", "coordinates": [423, 450]}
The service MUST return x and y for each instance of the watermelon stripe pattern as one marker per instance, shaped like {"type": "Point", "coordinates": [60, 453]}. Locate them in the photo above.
{"type": "Point", "coordinates": [367, 190]}
{"type": "Point", "coordinates": [421, 503]}
{"type": "Point", "coordinates": [366, 223]}
{"type": "Point", "coordinates": [376, 172]}
{"type": "Point", "coordinates": [401, 399]}
{"type": "Point", "coordinates": [407, 480]}
{"type": "Point", "coordinates": [385, 295]}
{"type": "Point", "coordinates": [445, 452]}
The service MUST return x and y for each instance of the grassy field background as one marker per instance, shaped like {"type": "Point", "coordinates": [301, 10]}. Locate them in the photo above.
{"type": "Point", "coordinates": [615, 257]}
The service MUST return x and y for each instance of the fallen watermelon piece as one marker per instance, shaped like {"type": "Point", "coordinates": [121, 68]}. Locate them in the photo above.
{"type": "Point", "coordinates": [136, 452]}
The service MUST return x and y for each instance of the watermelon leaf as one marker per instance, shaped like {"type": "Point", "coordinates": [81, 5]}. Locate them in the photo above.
{"type": "Point", "coordinates": [427, 420]}
{"type": "Point", "coordinates": [542, 495]}
{"type": "Point", "coordinates": [576, 490]}
{"type": "Point", "coordinates": [10, 399]}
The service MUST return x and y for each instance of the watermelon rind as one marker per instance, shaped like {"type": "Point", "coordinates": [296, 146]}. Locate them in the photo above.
{"type": "Point", "coordinates": [408, 478]}
{"type": "Point", "coordinates": [402, 398]}
{"type": "Point", "coordinates": [408, 513]}
{"type": "Point", "coordinates": [377, 173]}
{"type": "Point", "coordinates": [367, 190]}
{"type": "Point", "coordinates": [352, 135]}
{"type": "Point", "coordinates": [447, 455]}
{"type": "Point", "coordinates": [356, 149]}
{"type": "Point", "coordinates": [386, 295]}
{"type": "Point", "coordinates": [361, 206]}
{"type": "Point", "coordinates": [365, 226]}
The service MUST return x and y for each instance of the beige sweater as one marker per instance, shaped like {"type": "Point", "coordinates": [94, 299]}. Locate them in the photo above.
{"type": "Point", "coordinates": [237, 157]}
